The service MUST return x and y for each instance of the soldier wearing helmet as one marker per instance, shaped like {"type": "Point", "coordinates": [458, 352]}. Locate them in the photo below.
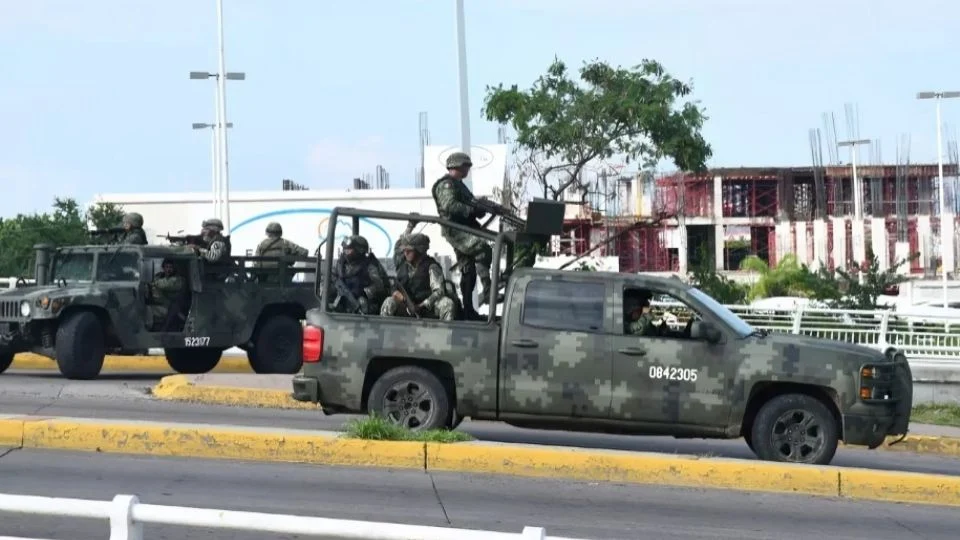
{"type": "Point", "coordinates": [422, 278]}
{"type": "Point", "coordinates": [275, 245]}
{"type": "Point", "coordinates": [474, 255]}
{"type": "Point", "coordinates": [362, 274]}
{"type": "Point", "coordinates": [133, 230]}
{"type": "Point", "coordinates": [165, 290]}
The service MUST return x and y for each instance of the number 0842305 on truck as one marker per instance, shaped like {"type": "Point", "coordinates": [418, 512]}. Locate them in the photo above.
{"type": "Point", "coordinates": [574, 350]}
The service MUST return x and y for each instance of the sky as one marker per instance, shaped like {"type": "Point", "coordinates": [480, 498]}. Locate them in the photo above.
{"type": "Point", "coordinates": [95, 95]}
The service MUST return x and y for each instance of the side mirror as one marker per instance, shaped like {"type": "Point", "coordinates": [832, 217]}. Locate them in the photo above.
{"type": "Point", "coordinates": [705, 331]}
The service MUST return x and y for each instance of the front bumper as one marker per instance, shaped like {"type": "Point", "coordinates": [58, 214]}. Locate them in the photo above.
{"type": "Point", "coordinates": [867, 430]}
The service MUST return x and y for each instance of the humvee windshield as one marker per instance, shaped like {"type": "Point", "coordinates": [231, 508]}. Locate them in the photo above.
{"type": "Point", "coordinates": [73, 267]}
{"type": "Point", "coordinates": [77, 267]}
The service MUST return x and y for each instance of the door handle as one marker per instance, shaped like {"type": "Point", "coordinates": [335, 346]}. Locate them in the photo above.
{"type": "Point", "coordinates": [632, 351]}
{"type": "Point", "coordinates": [524, 343]}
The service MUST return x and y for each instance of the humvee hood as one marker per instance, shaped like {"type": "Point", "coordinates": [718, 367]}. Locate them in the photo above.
{"type": "Point", "coordinates": [32, 292]}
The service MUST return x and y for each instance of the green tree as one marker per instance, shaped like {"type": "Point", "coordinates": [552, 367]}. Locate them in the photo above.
{"type": "Point", "coordinates": [65, 225]}
{"type": "Point", "coordinates": [787, 278]}
{"type": "Point", "coordinates": [563, 125]}
{"type": "Point", "coordinates": [863, 284]}
{"type": "Point", "coordinates": [105, 215]}
{"type": "Point", "coordinates": [705, 277]}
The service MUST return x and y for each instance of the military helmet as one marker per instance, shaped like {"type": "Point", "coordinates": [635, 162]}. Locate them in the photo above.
{"type": "Point", "coordinates": [274, 228]}
{"type": "Point", "coordinates": [213, 223]}
{"type": "Point", "coordinates": [420, 242]}
{"type": "Point", "coordinates": [357, 243]}
{"type": "Point", "coordinates": [134, 219]}
{"type": "Point", "coordinates": [457, 160]}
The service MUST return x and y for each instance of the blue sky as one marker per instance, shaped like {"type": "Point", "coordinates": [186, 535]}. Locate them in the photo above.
{"type": "Point", "coordinates": [95, 95]}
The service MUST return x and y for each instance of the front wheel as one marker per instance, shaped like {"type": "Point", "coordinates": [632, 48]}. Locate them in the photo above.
{"type": "Point", "coordinates": [193, 361]}
{"type": "Point", "coordinates": [80, 347]}
{"type": "Point", "coordinates": [6, 359]}
{"type": "Point", "coordinates": [795, 428]}
{"type": "Point", "coordinates": [411, 397]}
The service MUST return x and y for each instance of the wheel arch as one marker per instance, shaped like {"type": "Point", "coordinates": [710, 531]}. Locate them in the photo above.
{"type": "Point", "coordinates": [764, 391]}
{"type": "Point", "coordinates": [379, 365]}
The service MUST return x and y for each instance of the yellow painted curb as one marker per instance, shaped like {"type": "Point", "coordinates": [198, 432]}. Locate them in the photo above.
{"type": "Point", "coordinates": [218, 442]}
{"type": "Point", "coordinates": [301, 446]}
{"type": "Point", "coordinates": [179, 388]}
{"type": "Point", "coordinates": [631, 467]}
{"type": "Point", "coordinates": [924, 444]}
{"type": "Point", "coordinates": [227, 364]}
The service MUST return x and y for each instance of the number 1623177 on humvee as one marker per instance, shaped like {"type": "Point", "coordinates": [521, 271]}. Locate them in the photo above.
{"type": "Point", "coordinates": [566, 353]}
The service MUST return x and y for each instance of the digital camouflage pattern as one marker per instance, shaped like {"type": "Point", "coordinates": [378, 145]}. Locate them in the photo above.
{"type": "Point", "coordinates": [221, 314]}
{"type": "Point", "coordinates": [548, 378]}
{"type": "Point", "coordinates": [423, 280]}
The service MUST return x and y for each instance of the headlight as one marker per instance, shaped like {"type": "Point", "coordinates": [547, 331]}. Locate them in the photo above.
{"type": "Point", "coordinates": [24, 309]}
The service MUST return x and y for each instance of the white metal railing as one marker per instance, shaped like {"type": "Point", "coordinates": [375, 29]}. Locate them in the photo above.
{"type": "Point", "coordinates": [126, 516]}
{"type": "Point", "coordinates": [930, 337]}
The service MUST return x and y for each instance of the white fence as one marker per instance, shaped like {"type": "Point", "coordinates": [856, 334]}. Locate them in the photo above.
{"type": "Point", "coordinates": [126, 516]}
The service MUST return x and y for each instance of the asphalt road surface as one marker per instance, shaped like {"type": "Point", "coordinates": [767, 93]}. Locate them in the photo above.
{"type": "Point", "coordinates": [126, 397]}
{"type": "Point", "coordinates": [573, 509]}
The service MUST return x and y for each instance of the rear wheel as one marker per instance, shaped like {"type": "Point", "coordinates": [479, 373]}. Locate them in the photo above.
{"type": "Point", "coordinates": [278, 346]}
{"type": "Point", "coordinates": [193, 361]}
{"type": "Point", "coordinates": [411, 397]}
{"type": "Point", "coordinates": [795, 428]}
{"type": "Point", "coordinates": [80, 346]}
{"type": "Point", "coordinates": [6, 359]}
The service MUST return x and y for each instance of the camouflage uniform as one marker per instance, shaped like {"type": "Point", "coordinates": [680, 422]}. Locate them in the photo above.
{"type": "Point", "coordinates": [164, 291]}
{"type": "Point", "coordinates": [363, 275]}
{"type": "Point", "coordinates": [275, 245]}
{"type": "Point", "coordinates": [642, 326]}
{"type": "Point", "coordinates": [218, 247]}
{"type": "Point", "coordinates": [474, 255]}
{"type": "Point", "coordinates": [134, 234]}
{"type": "Point", "coordinates": [424, 282]}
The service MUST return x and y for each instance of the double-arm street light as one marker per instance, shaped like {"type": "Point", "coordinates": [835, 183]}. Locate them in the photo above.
{"type": "Point", "coordinates": [944, 241]}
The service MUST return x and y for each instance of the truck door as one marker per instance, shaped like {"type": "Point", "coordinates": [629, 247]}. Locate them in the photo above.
{"type": "Point", "coordinates": [555, 354]}
{"type": "Point", "coordinates": [669, 377]}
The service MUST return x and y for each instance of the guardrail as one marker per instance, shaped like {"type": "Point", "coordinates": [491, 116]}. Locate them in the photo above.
{"type": "Point", "coordinates": [127, 515]}
{"type": "Point", "coordinates": [931, 337]}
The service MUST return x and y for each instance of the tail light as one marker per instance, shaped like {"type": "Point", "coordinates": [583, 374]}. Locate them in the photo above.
{"type": "Point", "coordinates": [312, 344]}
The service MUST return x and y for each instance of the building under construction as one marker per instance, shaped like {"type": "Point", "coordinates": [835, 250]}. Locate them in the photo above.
{"type": "Point", "coordinates": [726, 214]}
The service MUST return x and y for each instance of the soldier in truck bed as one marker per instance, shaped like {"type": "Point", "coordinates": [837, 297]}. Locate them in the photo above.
{"type": "Point", "coordinates": [275, 245]}
{"type": "Point", "coordinates": [133, 227]}
{"type": "Point", "coordinates": [362, 274]}
{"type": "Point", "coordinates": [422, 278]}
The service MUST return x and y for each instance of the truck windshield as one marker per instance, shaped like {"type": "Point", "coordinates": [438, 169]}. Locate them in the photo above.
{"type": "Point", "coordinates": [73, 267]}
{"type": "Point", "coordinates": [730, 318]}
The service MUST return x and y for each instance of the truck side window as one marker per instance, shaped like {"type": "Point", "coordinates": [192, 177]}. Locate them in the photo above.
{"type": "Point", "coordinates": [564, 305]}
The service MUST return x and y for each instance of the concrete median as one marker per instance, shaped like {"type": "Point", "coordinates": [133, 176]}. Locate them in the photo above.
{"type": "Point", "coordinates": [273, 391]}
{"type": "Point", "coordinates": [333, 449]}
{"type": "Point", "coordinates": [131, 364]}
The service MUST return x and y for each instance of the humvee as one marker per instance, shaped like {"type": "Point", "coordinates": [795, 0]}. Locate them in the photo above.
{"type": "Point", "coordinates": [559, 353]}
{"type": "Point", "coordinates": [90, 301]}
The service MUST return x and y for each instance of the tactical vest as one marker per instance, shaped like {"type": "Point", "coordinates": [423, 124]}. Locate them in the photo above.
{"type": "Point", "coordinates": [442, 212]}
{"type": "Point", "coordinates": [357, 278]}
{"type": "Point", "coordinates": [418, 284]}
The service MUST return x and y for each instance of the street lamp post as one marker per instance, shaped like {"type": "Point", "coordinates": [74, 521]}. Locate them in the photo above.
{"type": "Point", "coordinates": [858, 225]}
{"type": "Point", "coordinates": [464, 94]}
{"type": "Point", "coordinates": [221, 194]}
{"type": "Point", "coordinates": [943, 202]}
{"type": "Point", "coordinates": [215, 154]}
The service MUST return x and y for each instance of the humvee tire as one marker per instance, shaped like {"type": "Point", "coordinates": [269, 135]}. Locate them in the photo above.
{"type": "Point", "coordinates": [80, 346]}
{"type": "Point", "coordinates": [278, 346]}
{"type": "Point", "coordinates": [193, 361]}
{"type": "Point", "coordinates": [6, 358]}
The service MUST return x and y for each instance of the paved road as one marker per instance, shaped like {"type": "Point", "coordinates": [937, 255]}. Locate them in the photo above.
{"type": "Point", "coordinates": [582, 510]}
{"type": "Point", "coordinates": [127, 397]}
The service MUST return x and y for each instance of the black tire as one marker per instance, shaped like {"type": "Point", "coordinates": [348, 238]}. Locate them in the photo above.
{"type": "Point", "coordinates": [396, 385]}
{"type": "Point", "coordinates": [778, 431]}
{"type": "Point", "coordinates": [80, 346]}
{"type": "Point", "coordinates": [278, 346]}
{"type": "Point", "coordinates": [193, 361]}
{"type": "Point", "coordinates": [6, 359]}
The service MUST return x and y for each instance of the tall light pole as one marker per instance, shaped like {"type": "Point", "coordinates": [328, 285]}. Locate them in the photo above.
{"type": "Point", "coordinates": [221, 194]}
{"type": "Point", "coordinates": [857, 188]}
{"type": "Point", "coordinates": [462, 65]}
{"type": "Point", "coordinates": [943, 199]}
{"type": "Point", "coordinates": [215, 154]}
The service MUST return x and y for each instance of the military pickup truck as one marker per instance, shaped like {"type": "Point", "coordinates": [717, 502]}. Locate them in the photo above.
{"type": "Point", "coordinates": [90, 301]}
{"type": "Point", "coordinates": [562, 355]}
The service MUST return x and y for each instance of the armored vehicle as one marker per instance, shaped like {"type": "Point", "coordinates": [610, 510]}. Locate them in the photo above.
{"type": "Point", "coordinates": [561, 351]}
{"type": "Point", "coordinates": [90, 301]}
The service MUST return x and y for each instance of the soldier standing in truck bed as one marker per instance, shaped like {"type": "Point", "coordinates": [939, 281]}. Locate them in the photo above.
{"type": "Point", "coordinates": [133, 227]}
{"type": "Point", "coordinates": [474, 255]}
{"type": "Point", "coordinates": [275, 245]}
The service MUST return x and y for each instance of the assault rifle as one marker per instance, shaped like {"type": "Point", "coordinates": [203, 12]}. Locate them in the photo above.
{"type": "Point", "coordinates": [411, 307]}
{"type": "Point", "coordinates": [344, 293]}
{"type": "Point", "coordinates": [184, 240]}
{"type": "Point", "coordinates": [113, 233]}
{"type": "Point", "coordinates": [498, 210]}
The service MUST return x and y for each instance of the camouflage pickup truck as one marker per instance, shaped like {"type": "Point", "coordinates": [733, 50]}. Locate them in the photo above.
{"type": "Point", "coordinates": [90, 301]}
{"type": "Point", "coordinates": [566, 353]}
